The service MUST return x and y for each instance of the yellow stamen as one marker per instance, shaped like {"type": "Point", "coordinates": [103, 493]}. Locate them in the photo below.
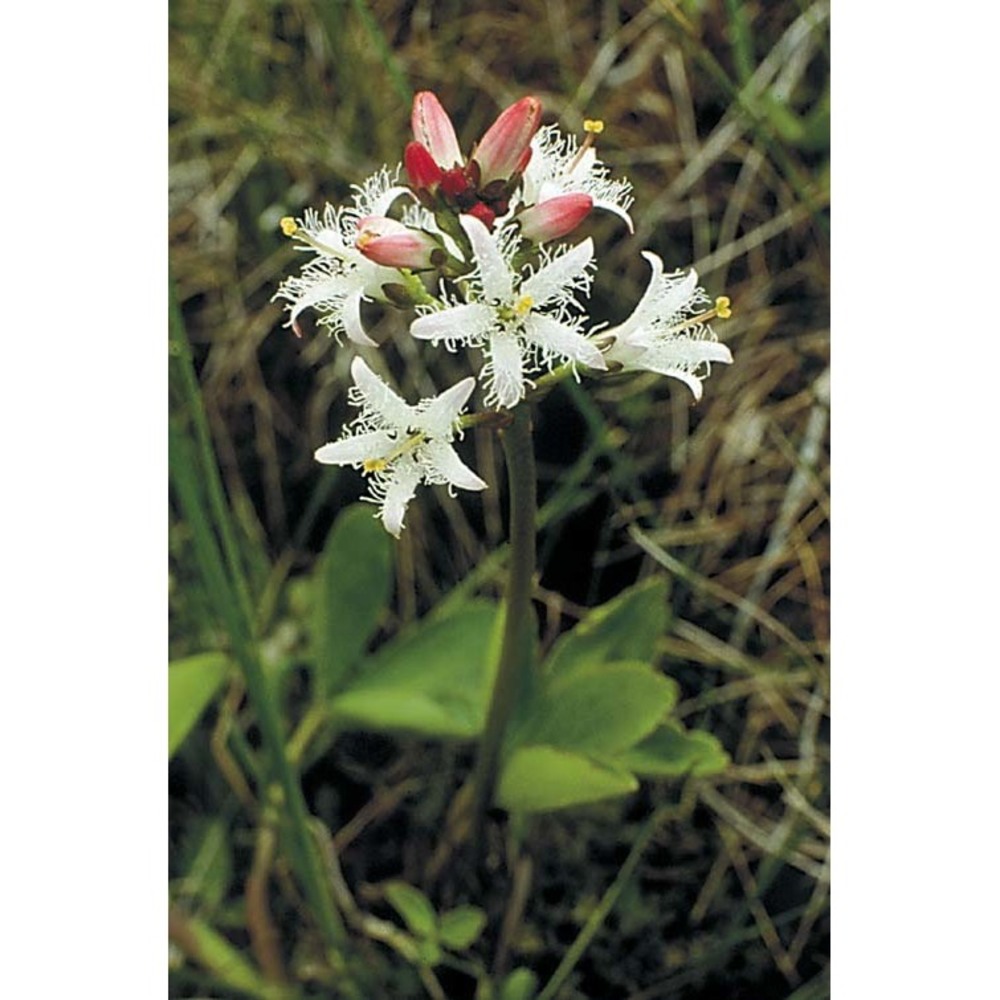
{"type": "Point", "coordinates": [523, 306]}
{"type": "Point", "coordinates": [721, 310]}
{"type": "Point", "coordinates": [381, 464]}
{"type": "Point", "coordinates": [592, 126]}
{"type": "Point", "coordinates": [289, 226]}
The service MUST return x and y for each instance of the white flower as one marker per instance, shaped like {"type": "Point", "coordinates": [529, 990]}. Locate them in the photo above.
{"type": "Point", "coordinates": [668, 330]}
{"type": "Point", "coordinates": [401, 446]}
{"type": "Point", "coordinates": [506, 318]}
{"type": "Point", "coordinates": [559, 165]}
{"type": "Point", "coordinates": [336, 281]}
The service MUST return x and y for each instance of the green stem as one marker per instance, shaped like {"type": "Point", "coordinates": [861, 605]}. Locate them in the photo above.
{"type": "Point", "coordinates": [193, 475]}
{"type": "Point", "coordinates": [519, 622]}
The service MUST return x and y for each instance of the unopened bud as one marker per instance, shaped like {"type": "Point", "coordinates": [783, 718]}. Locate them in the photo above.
{"type": "Point", "coordinates": [432, 128]}
{"type": "Point", "coordinates": [391, 244]}
{"type": "Point", "coordinates": [501, 152]}
{"type": "Point", "coordinates": [483, 213]}
{"type": "Point", "coordinates": [423, 171]}
{"type": "Point", "coordinates": [555, 217]}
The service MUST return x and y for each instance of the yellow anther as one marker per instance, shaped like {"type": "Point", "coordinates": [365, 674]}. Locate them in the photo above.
{"type": "Point", "coordinates": [289, 226]}
{"type": "Point", "coordinates": [374, 464]}
{"type": "Point", "coordinates": [523, 306]}
{"type": "Point", "coordinates": [722, 309]}
{"type": "Point", "coordinates": [593, 125]}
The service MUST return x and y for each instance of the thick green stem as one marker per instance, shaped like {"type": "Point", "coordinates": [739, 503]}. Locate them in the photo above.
{"type": "Point", "coordinates": [519, 622]}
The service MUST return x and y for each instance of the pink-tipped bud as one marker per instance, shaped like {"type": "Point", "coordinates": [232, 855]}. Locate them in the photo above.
{"type": "Point", "coordinates": [502, 151]}
{"type": "Point", "coordinates": [424, 173]}
{"type": "Point", "coordinates": [391, 244]}
{"type": "Point", "coordinates": [432, 128]}
{"type": "Point", "coordinates": [554, 217]}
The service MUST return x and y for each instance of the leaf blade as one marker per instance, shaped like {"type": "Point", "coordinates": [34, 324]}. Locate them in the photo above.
{"type": "Point", "coordinates": [354, 576]}
{"type": "Point", "coordinates": [544, 778]}
{"type": "Point", "coordinates": [192, 683]}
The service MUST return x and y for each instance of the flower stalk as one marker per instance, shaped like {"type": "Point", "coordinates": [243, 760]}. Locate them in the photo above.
{"type": "Point", "coordinates": [518, 644]}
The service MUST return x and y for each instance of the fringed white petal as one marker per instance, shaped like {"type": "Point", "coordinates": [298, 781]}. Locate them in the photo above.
{"type": "Point", "coordinates": [467, 324]}
{"type": "Point", "coordinates": [562, 341]}
{"type": "Point", "coordinates": [383, 202]}
{"type": "Point", "coordinates": [610, 206]}
{"type": "Point", "coordinates": [400, 485]}
{"type": "Point", "coordinates": [505, 370]}
{"type": "Point", "coordinates": [676, 295]}
{"type": "Point", "coordinates": [356, 449]}
{"type": "Point", "coordinates": [558, 276]}
{"type": "Point", "coordinates": [444, 466]}
{"type": "Point", "coordinates": [313, 289]}
{"type": "Point", "coordinates": [690, 352]}
{"type": "Point", "coordinates": [495, 273]}
{"type": "Point", "coordinates": [352, 319]}
{"type": "Point", "coordinates": [643, 313]}
{"type": "Point", "coordinates": [379, 399]}
{"type": "Point", "coordinates": [691, 381]}
{"type": "Point", "coordinates": [436, 417]}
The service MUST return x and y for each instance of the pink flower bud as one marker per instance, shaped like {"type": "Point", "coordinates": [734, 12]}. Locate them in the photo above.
{"type": "Point", "coordinates": [423, 171]}
{"type": "Point", "coordinates": [502, 151]}
{"type": "Point", "coordinates": [391, 244]}
{"type": "Point", "coordinates": [555, 217]}
{"type": "Point", "coordinates": [432, 128]}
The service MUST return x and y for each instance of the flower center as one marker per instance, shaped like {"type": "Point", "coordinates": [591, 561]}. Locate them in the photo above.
{"type": "Point", "coordinates": [370, 465]}
{"type": "Point", "coordinates": [514, 314]}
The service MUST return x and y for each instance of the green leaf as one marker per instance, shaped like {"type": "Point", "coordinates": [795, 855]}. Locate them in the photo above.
{"type": "Point", "coordinates": [206, 859]}
{"type": "Point", "coordinates": [433, 680]}
{"type": "Point", "coordinates": [673, 751]}
{"type": "Point", "coordinates": [626, 628]}
{"type": "Point", "coordinates": [192, 682]}
{"type": "Point", "coordinates": [414, 907]}
{"type": "Point", "coordinates": [521, 984]}
{"type": "Point", "coordinates": [601, 709]}
{"type": "Point", "coordinates": [461, 927]}
{"type": "Point", "coordinates": [354, 576]}
{"type": "Point", "coordinates": [540, 778]}
{"type": "Point", "coordinates": [429, 951]}
{"type": "Point", "coordinates": [224, 961]}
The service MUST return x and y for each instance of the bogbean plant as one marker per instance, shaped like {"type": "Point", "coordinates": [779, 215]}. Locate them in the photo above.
{"type": "Point", "coordinates": [479, 249]}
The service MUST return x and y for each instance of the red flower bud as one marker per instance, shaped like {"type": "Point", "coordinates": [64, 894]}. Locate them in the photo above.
{"type": "Point", "coordinates": [483, 213]}
{"type": "Point", "coordinates": [454, 182]}
{"type": "Point", "coordinates": [423, 171]}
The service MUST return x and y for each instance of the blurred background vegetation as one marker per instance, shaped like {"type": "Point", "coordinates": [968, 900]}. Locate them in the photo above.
{"type": "Point", "coordinates": [718, 113]}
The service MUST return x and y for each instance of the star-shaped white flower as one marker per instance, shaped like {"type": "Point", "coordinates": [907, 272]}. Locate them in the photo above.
{"type": "Point", "coordinates": [336, 281]}
{"type": "Point", "coordinates": [559, 165]}
{"type": "Point", "coordinates": [668, 330]}
{"type": "Point", "coordinates": [400, 446]}
{"type": "Point", "coordinates": [507, 319]}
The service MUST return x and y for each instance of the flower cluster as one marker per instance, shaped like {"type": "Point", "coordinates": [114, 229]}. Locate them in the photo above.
{"type": "Point", "coordinates": [488, 230]}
